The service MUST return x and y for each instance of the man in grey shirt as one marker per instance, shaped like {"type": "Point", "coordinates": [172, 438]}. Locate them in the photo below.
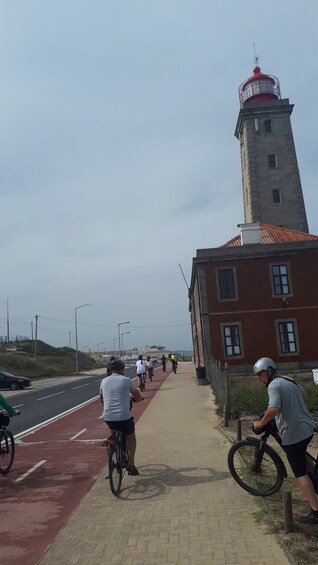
{"type": "Point", "coordinates": [116, 392]}
{"type": "Point", "coordinates": [295, 426]}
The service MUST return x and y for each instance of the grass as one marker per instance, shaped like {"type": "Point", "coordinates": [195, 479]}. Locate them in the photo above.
{"type": "Point", "coordinates": [249, 397]}
{"type": "Point", "coordinates": [18, 358]}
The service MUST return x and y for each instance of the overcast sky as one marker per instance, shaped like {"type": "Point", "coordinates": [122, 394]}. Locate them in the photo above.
{"type": "Point", "coordinates": [118, 157]}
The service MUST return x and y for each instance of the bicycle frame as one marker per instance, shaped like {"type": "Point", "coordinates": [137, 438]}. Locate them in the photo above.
{"type": "Point", "coordinates": [261, 447]}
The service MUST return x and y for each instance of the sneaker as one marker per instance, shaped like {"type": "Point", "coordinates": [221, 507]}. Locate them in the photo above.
{"type": "Point", "coordinates": [311, 518]}
{"type": "Point", "coordinates": [132, 470]}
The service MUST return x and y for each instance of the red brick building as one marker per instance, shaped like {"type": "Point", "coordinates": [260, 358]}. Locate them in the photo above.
{"type": "Point", "coordinates": [257, 296]}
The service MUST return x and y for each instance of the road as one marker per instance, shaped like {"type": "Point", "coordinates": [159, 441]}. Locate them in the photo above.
{"type": "Point", "coordinates": [43, 403]}
{"type": "Point", "coordinates": [55, 465]}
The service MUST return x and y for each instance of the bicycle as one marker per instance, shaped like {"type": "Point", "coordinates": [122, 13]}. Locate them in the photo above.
{"type": "Point", "coordinates": [117, 457]}
{"type": "Point", "coordinates": [257, 467]}
{"type": "Point", "coordinates": [7, 447]}
{"type": "Point", "coordinates": [142, 381]}
{"type": "Point", "coordinates": [117, 460]}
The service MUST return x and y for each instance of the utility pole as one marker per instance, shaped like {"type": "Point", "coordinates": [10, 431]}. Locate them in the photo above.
{"type": "Point", "coordinates": [32, 335]}
{"type": "Point", "coordinates": [69, 335]}
{"type": "Point", "coordinates": [36, 335]}
{"type": "Point", "coordinates": [8, 332]}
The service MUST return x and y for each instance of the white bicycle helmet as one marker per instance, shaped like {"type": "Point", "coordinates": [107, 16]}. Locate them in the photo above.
{"type": "Point", "coordinates": [263, 364]}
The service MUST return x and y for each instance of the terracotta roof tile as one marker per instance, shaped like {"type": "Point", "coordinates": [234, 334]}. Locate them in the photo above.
{"type": "Point", "coordinates": [274, 234]}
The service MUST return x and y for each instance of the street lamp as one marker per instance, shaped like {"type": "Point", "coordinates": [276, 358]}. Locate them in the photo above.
{"type": "Point", "coordinates": [114, 341]}
{"type": "Point", "coordinates": [120, 324]}
{"type": "Point", "coordinates": [100, 343]}
{"type": "Point", "coordinates": [76, 342]}
{"type": "Point", "coordinates": [122, 341]}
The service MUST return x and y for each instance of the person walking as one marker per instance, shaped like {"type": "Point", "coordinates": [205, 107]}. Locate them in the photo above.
{"type": "Point", "coordinates": [295, 426]}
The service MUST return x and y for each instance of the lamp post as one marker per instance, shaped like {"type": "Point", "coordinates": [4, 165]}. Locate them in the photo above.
{"type": "Point", "coordinates": [120, 324]}
{"type": "Point", "coordinates": [122, 341]}
{"type": "Point", "coordinates": [114, 341]}
{"type": "Point", "coordinates": [100, 343]}
{"type": "Point", "coordinates": [76, 342]}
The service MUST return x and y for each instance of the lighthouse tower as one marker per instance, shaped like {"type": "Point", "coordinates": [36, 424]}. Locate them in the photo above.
{"type": "Point", "coordinates": [272, 190]}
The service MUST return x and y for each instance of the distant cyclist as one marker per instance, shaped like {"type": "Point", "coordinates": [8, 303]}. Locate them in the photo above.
{"type": "Point", "coordinates": [108, 366]}
{"type": "Point", "coordinates": [164, 363]}
{"type": "Point", "coordinates": [141, 368]}
{"type": "Point", "coordinates": [115, 394]}
{"type": "Point", "coordinates": [150, 368]}
{"type": "Point", "coordinates": [174, 361]}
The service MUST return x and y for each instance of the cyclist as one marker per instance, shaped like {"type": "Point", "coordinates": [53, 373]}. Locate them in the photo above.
{"type": "Point", "coordinates": [164, 362]}
{"type": "Point", "coordinates": [174, 361]}
{"type": "Point", "coordinates": [108, 366]}
{"type": "Point", "coordinates": [150, 368]}
{"type": "Point", "coordinates": [296, 427]}
{"type": "Point", "coordinates": [115, 394]}
{"type": "Point", "coordinates": [4, 420]}
{"type": "Point", "coordinates": [141, 370]}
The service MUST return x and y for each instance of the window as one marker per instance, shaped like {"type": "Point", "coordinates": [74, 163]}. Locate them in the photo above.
{"type": "Point", "coordinates": [226, 284]}
{"type": "Point", "coordinates": [231, 340]}
{"type": "Point", "coordinates": [272, 161]}
{"type": "Point", "coordinates": [280, 280]}
{"type": "Point", "coordinates": [268, 126]}
{"type": "Point", "coordinates": [276, 196]}
{"type": "Point", "coordinates": [287, 337]}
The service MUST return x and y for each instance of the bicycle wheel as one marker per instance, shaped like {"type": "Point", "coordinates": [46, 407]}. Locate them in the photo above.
{"type": "Point", "coordinates": [142, 383]}
{"type": "Point", "coordinates": [115, 469]}
{"type": "Point", "coordinates": [6, 451]}
{"type": "Point", "coordinates": [259, 473]}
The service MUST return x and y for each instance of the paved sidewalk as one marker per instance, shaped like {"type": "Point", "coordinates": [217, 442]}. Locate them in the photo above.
{"type": "Point", "coordinates": [183, 509]}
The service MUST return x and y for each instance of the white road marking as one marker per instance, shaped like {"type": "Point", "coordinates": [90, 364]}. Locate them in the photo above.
{"type": "Point", "coordinates": [18, 406]}
{"type": "Point", "coordinates": [50, 395]}
{"type": "Point", "coordinates": [57, 417]}
{"type": "Point", "coordinates": [78, 434]}
{"type": "Point", "coordinates": [30, 471]}
{"type": "Point", "coordinates": [80, 386]}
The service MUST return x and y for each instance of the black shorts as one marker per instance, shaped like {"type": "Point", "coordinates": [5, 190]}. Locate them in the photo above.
{"type": "Point", "coordinates": [296, 455]}
{"type": "Point", "coordinates": [127, 427]}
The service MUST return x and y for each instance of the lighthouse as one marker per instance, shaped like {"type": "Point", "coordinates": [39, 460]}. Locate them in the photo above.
{"type": "Point", "coordinates": [272, 191]}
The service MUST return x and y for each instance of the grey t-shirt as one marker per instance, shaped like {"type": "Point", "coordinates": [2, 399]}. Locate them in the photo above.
{"type": "Point", "coordinates": [293, 420]}
{"type": "Point", "coordinates": [115, 390]}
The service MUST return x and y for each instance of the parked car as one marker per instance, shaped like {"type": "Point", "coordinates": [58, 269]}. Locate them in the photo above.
{"type": "Point", "coordinates": [13, 382]}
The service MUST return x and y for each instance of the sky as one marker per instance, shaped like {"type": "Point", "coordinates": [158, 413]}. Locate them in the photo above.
{"type": "Point", "coordinates": [118, 158]}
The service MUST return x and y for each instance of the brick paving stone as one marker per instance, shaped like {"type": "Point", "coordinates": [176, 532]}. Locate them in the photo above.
{"type": "Point", "coordinates": [183, 509]}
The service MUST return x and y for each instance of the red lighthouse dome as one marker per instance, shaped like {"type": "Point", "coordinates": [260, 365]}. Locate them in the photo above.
{"type": "Point", "coordinates": [259, 88]}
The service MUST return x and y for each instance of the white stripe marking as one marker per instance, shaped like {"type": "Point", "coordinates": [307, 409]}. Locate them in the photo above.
{"type": "Point", "coordinates": [18, 406]}
{"type": "Point", "coordinates": [50, 420]}
{"type": "Point", "coordinates": [50, 395]}
{"type": "Point", "coordinates": [30, 471]}
{"type": "Point", "coordinates": [78, 434]}
{"type": "Point", "coordinates": [80, 386]}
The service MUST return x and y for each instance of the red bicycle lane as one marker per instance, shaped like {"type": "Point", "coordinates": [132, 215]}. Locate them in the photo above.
{"type": "Point", "coordinates": [54, 467]}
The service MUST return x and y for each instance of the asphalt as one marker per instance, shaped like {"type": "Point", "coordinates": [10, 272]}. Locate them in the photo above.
{"type": "Point", "coordinates": [183, 509]}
